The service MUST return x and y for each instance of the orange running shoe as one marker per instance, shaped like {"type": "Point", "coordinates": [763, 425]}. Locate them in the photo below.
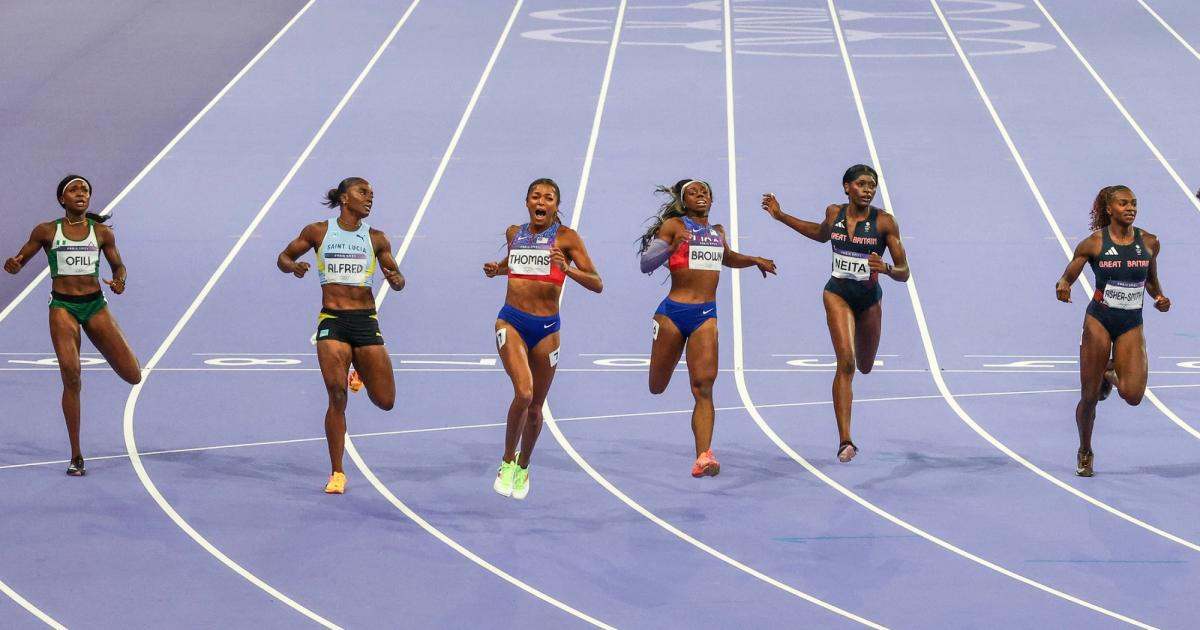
{"type": "Point", "coordinates": [706, 465]}
{"type": "Point", "coordinates": [337, 484]}
{"type": "Point", "coordinates": [353, 381]}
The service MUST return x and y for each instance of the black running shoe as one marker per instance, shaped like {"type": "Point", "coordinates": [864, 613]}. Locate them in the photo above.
{"type": "Point", "coordinates": [77, 469]}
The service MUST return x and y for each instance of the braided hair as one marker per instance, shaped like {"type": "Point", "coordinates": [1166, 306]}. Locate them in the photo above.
{"type": "Point", "coordinates": [1100, 216]}
{"type": "Point", "coordinates": [670, 209]}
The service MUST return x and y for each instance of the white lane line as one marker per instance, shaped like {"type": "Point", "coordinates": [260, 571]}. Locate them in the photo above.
{"type": "Point", "coordinates": [131, 403]}
{"type": "Point", "coordinates": [583, 463]}
{"type": "Point", "coordinates": [167, 149]}
{"type": "Point", "coordinates": [1120, 107]}
{"type": "Point", "coordinates": [553, 424]}
{"type": "Point", "coordinates": [610, 416]}
{"type": "Point", "coordinates": [28, 606]}
{"type": "Point", "coordinates": [1033, 187]}
{"type": "Point", "coordinates": [738, 342]}
{"type": "Point", "coordinates": [112, 204]}
{"type": "Point", "coordinates": [361, 463]}
{"type": "Point", "coordinates": [1170, 30]}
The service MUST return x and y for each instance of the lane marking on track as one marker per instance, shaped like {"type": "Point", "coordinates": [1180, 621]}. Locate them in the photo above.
{"type": "Point", "coordinates": [1116, 101]}
{"type": "Point", "coordinates": [361, 463]}
{"type": "Point", "coordinates": [611, 416]}
{"type": "Point", "coordinates": [570, 449]}
{"type": "Point", "coordinates": [167, 149]}
{"type": "Point", "coordinates": [738, 340]}
{"type": "Point", "coordinates": [1041, 201]}
{"type": "Point", "coordinates": [131, 403]}
{"type": "Point", "coordinates": [7, 590]}
{"type": "Point", "coordinates": [1170, 30]}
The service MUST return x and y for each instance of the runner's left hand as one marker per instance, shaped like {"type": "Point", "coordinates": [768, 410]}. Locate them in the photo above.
{"type": "Point", "coordinates": [558, 259]}
{"type": "Point", "coordinates": [117, 285]}
{"type": "Point", "coordinates": [765, 266]}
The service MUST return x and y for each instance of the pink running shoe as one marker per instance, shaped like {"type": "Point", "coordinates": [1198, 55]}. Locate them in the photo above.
{"type": "Point", "coordinates": [706, 465]}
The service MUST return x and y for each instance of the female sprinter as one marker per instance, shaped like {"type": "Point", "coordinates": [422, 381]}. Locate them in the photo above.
{"type": "Point", "coordinates": [1123, 259]}
{"type": "Point", "coordinates": [347, 326]}
{"type": "Point", "coordinates": [73, 244]}
{"type": "Point", "coordinates": [853, 297]}
{"type": "Point", "coordinates": [540, 254]}
{"type": "Point", "coordinates": [694, 251]}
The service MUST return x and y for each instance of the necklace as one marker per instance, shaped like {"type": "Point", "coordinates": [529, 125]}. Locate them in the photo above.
{"type": "Point", "coordinates": [70, 222]}
{"type": "Point", "coordinates": [348, 229]}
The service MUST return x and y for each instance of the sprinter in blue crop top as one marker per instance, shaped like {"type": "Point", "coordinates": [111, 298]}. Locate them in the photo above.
{"type": "Point", "coordinates": [1124, 261]}
{"type": "Point", "coordinates": [853, 298]}
{"type": "Point", "coordinates": [682, 239]}
{"type": "Point", "coordinates": [348, 252]}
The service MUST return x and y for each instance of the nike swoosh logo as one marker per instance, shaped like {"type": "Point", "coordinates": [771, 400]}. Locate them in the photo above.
{"type": "Point", "coordinates": [706, 312]}
{"type": "Point", "coordinates": [547, 325]}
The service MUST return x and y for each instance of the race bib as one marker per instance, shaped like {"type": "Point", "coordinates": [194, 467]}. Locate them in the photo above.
{"type": "Point", "coordinates": [345, 268]}
{"type": "Point", "coordinates": [1124, 295]}
{"type": "Point", "coordinates": [850, 265]}
{"type": "Point", "coordinates": [529, 262]}
{"type": "Point", "coordinates": [76, 260]}
{"type": "Point", "coordinates": [705, 257]}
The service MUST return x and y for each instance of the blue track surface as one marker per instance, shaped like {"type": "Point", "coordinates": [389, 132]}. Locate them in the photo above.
{"type": "Point", "coordinates": [958, 513]}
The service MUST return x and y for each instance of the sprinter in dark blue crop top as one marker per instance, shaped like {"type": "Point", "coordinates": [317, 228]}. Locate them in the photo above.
{"type": "Point", "coordinates": [1123, 259]}
{"type": "Point", "coordinates": [853, 298]}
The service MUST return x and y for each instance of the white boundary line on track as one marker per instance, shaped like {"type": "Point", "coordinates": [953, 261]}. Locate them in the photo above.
{"type": "Point", "coordinates": [131, 403]}
{"type": "Point", "coordinates": [492, 425]}
{"type": "Point", "coordinates": [1117, 102]}
{"type": "Point", "coordinates": [1041, 201]}
{"type": "Point", "coordinates": [740, 377]}
{"type": "Point", "coordinates": [33, 610]}
{"type": "Point", "coordinates": [24, 603]}
{"type": "Point", "coordinates": [1170, 30]}
{"type": "Point", "coordinates": [570, 449]}
{"type": "Point", "coordinates": [361, 463]}
{"type": "Point", "coordinates": [167, 149]}
{"type": "Point", "coordinates": [1192, 198]}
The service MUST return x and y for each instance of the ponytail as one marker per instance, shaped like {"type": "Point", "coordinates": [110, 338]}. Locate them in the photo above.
{"type": "Point", "coordinates": [333, 198]}
{"type": "Point", "coordinates": [670, 209]}
{"type": "Point", "coordinates": [1100, 216]}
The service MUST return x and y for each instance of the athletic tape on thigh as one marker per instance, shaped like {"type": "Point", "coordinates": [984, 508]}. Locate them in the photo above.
{"type": "Point", "coordinates": [501, 337]}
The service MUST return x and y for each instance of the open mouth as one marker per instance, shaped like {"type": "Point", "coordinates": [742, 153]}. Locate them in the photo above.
{"type": "Point", "coordinates": [540, 213]}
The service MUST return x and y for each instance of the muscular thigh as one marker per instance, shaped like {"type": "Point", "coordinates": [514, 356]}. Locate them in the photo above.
{"type": "Point", "coordinates": [702, 351]}
{"type": "Point", "coordinates": [543, 363]}
{"type": "Point", "coordinates": [374, 367]}
{"type": "Point", "coordinates": [104, 333]}
{"type": "Point", "coordinates": [334, 357]}
{"type": "Point", "coordinates": [513, 354]}
{"type": "Point", "coordinates": [1129, 358]}
{"type": "Point", "coordinates": [1094, 349]}
{"type": "Point", "coordinates": [64, 335]}
{"type": "Point", "coordinates": [840, 319]}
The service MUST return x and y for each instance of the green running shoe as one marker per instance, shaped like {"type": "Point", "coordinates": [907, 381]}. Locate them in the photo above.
{"type": "Point", "coordinates": [520, 487]}
{"type": "Point", "coordinates": [504, 478]}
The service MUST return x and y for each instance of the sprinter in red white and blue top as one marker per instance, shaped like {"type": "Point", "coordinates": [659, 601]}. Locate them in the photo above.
{"type": "Point", "coordinates": [542, 254]}
{"type": "Point", "coordinates": [1124, 260]}
{"type": "Point", "coordinates": [682, 239]}
{"type": "Point", "coordinates": [853, 298]}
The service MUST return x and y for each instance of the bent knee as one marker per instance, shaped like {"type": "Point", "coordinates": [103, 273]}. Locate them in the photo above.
{"type": "Point", "coordinates": [1133, 398]}
{"type": "Point", "coordinates": [134, 377]}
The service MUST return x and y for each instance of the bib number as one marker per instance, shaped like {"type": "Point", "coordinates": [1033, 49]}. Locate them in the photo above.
{"type": "Point", "coordinates": [77, 262]}
{"type": "Point", "coordinates": [529, 262]}
{"type": "Point", "coordinates": [1124, 295]}
{"type": "Point", "coordinates": [850, 265]}
{"type": "Point", "coordinates": [705, 258]}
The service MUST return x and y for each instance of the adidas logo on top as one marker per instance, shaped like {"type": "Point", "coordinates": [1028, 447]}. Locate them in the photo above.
{"type": "Point", "coordinates": [1112, 251]}
{"type": "Point", "coordinates": [840, 224]}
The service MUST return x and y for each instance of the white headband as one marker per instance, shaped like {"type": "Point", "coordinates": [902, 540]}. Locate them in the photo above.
{"type": "Point", "coordinates": [77, 179]}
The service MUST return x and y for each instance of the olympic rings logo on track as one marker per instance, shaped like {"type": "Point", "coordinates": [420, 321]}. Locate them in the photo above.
{"type": "Point", "coordinates": [773, 28]}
